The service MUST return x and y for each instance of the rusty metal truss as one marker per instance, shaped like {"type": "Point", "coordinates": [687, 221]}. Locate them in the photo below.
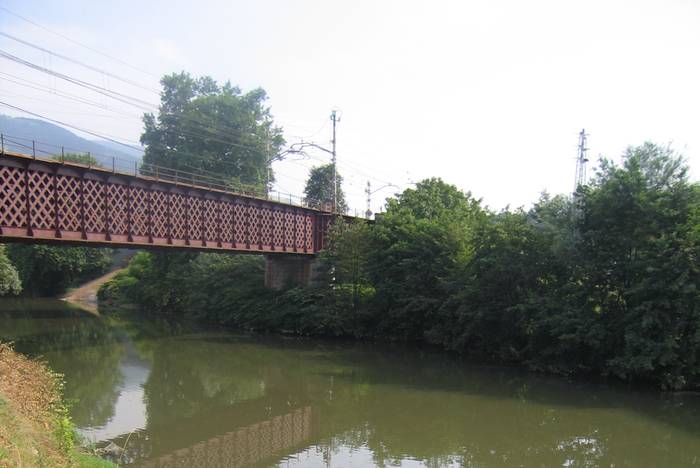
{"type": "Point", "coordinates": [44, 200]}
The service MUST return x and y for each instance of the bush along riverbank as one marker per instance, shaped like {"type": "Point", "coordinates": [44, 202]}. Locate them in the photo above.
{"type": "Point", "coordinates": [35, 429]}
{"type": "Point", "coordinates": [604, 282]}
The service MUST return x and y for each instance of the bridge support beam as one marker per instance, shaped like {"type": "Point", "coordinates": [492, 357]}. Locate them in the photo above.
{"type": "Point", "coordinates": [285, 271]}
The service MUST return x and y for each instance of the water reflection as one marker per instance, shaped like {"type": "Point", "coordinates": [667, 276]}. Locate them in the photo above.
{"type": "Point", "coordinates": [183, 397]}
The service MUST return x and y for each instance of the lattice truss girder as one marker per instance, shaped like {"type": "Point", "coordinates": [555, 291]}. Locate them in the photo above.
{"type": "Point", "coordinates": [40, 200]}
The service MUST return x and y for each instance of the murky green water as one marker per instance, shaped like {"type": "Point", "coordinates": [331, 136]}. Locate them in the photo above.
{"type": "Point", "coordinates": [176, 396]}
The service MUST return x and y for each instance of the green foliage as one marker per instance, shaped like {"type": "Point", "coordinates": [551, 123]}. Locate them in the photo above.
{"type": "Point", "coordinates": [49, 271]}
{"type": "Point", "coordinates": [603, 283]}
{"type": "Point", "coordinates": [345, 263]}
{"type": "Point", "coordinates": [319, 190]}
{"type": "Point", "coordinates": [640, 268]}
{"type": "Point", "coordinates": [80, 158]}
{"type": "Point", "coordinates": [10, 283]}
{"type": "Point", "coordinates": [202, 125]}
{"type": "Point", "coordinates": [417, 246]}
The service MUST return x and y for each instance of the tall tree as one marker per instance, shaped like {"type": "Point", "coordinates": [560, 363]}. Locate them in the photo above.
{"type": "Point", "coordinates": [9, 278]}
{"type": "Point", "coordinates": [202, 126]}
{"type": "Point", "coordinates": [639, 234]}
{"type": "Point", "coordinates": [423, 237]}
{"type": "Point", "coordinates": [319, 188]}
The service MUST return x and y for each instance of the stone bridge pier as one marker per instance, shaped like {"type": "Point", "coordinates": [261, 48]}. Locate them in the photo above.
{"type": "Point", "coordinates": [285, 271]}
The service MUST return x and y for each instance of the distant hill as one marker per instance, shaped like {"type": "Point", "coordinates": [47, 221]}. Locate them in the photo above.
{"type": "Point", "coordinates": [52, 137]}
{"type": "Point", "coordinates": [115, 148]}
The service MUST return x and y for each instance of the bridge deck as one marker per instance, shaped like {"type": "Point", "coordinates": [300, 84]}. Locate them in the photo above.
{"type": "Point", "coordinates": [43, 200]}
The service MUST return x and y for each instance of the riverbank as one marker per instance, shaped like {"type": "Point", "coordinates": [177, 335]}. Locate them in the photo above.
{"type": "Point", "coordinates": [149, 390]}
{"type": "Point", "coordinates": [85, 296]}
{"type": "Point", "coordinates": [35, 429]}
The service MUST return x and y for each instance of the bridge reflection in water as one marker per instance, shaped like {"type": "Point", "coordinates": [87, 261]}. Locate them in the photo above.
{"type": "Point", "coordinates": [245, 446]}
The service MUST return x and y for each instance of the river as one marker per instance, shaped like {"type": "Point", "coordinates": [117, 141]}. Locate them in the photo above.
{"type": "Point", "coordinates": [171, 394]}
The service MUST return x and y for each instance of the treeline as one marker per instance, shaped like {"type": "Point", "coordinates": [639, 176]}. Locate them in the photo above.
{"type": "Point", "coordinates": [605, 282]}
{"type": "Point", "coordinates": [46, 271]}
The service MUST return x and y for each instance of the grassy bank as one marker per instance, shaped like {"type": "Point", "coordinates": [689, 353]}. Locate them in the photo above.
{"type": "Point", "coordinates": [35, 429]}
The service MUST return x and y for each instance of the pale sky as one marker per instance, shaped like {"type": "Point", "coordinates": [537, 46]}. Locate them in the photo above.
{"type": "Point", "coordinates": [489, 95]}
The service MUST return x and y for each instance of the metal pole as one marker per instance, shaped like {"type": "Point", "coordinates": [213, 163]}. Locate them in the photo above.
{"type": "Point", "coordinates": [63, 155]}
{"type": "Point", "coordinates": [113, 165]}
{"type": "Point", "coordinates": [33, 150]}
{"type": "Point", "coordinates": [136, 168]}
{"type": "Point", "coordinates": [335, 172]}
{"type": "Point", "coordinates": [368, 191]}
{"type": "Point", "coordinates": [268, 158]}
{"type": "Point", "coordinates": [2, 142]}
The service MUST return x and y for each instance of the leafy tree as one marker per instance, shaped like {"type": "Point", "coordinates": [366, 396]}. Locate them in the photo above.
{"type": "Point", "coordinates": [49, 271]}
{"type": "Point", "coordinates": [204, 126]}
{"type": "Point", "coordinates": [319, 190]}
{"type": "Point", "coordinates": [500, 294]}
{"type": "Point", "coordinates": [417, 245]}
{"type": "Point", "coordinates": [348, 257]}
{"type": "Point", "coordinates": [640, 265]}
{"type": "Point", "coordinates": [9, 278]}
{"type": "Point", "coordinates": [80, 158]}
{"type": "Point", "coordinates": [217, 129]}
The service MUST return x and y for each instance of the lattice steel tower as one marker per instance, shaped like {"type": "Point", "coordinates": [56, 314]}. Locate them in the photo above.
{"type": "Point", "coordinates": [581, 160]}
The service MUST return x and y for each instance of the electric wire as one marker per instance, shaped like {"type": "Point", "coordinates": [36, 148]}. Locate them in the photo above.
{"type": "Point", "coordinates": [69, 39]}
{"type": "Point", "coordinates": [212, 133]}
{"type": "Point", "coordinates": [78, 62]}
{"type": "Point", "coordinates": [63, 94]}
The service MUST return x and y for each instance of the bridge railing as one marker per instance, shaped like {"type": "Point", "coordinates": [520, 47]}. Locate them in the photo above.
{"type": "Point", "coordinates": [46, 151]}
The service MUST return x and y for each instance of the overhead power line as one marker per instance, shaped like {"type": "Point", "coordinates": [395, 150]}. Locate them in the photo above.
{"type": "Point", "coordinates": [78, 62]}
{"type": "Point", "coordinates": [69, 39]}
{"type": "Point", "coordinates": [217, 134]}
{"type": "Point", "coordinates": [63, 94]}
{"type": "Point", "coordinates": [213, 134]}
{"type": "Point", "coordinates": [93, 87]}
{"type": "Point", "coordinates": [104, 137]}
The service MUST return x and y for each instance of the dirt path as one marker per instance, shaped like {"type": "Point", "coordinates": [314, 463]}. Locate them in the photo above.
{"type": "Point", "coordinates": [85, 296]}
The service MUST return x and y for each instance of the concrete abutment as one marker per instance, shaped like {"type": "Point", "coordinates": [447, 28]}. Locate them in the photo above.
{"type": "Point", "coordinates": [285, 271]}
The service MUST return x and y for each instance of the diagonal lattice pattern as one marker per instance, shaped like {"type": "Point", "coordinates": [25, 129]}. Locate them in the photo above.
{"type": "Point", "coordinates": [226, 220]}
{"type": "Point", "coordinates": [211, 226]}
{"type": "Point", "coordinates": [178, 216]}
{"type": "Point", "coordinates": [41, 200]}
{"type": "Point", "coordinates": [159, 214]}
{"type": "Point", "coordinates": [118, 213]}
{"type": "Point", "coordinates": [96, 205]}
{"type": "Point", "coordinates": [12, 197]}
{"type": "Point", "coordinates": [68, 192]}
{"type": "Point", "coordinates": [93, 196]}
{"type": "Point", "coordinates": [140, 209]}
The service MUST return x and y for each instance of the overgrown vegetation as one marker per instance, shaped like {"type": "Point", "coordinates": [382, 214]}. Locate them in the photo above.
{"type": "Point", "coordinates": [10, 284]}
{"type": "Point", "coordinates": [49, 270]}
{"type": "Point", "coordinates": [35, 429]}
{"type": "Point", "coordinates": [606, 283]}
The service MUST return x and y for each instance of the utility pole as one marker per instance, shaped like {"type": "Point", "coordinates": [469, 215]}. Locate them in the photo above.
{"type": "Point", "coordinates": [579, 179]}
{"type": "Point", "coordinates": [334, 119]}
{"type": "Point", "coordinates": [368, 191]}
{"type": "Point", "coordinates": [581, 160]}
{"type": "Point", "coordinates": [268, 158]}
